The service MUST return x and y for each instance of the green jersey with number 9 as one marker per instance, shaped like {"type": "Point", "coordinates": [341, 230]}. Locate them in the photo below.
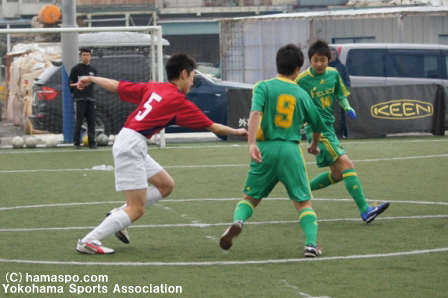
{"type": "Point", "coordinates": [323, 88]}
{"type": "Point", "coordinates": [284, 107]}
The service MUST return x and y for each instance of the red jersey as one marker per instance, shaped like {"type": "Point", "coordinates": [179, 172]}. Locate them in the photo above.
{"type": "Point", "coordinates": [160, 105]}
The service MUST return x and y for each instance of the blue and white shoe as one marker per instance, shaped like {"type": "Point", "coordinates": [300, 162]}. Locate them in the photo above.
{"type": "Point", "coordinates": [373, 211]}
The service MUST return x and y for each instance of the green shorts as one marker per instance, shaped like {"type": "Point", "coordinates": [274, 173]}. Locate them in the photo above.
{"type": "Point", "coordinates": [282, 161]}
{"type": "Point", "coordinates": [330, 148]}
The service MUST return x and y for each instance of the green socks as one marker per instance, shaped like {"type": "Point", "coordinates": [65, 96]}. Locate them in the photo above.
{"type": "Point", "coordinates": [351, 182]}
{"type": "Point", "coordinates": [322, 180]}
{"type": "Point", "coordinates": [243, 211]}
{"type": "Point", "coordinates": [354, 187]}
{"type": "Point", "coordinates": [308, 222]}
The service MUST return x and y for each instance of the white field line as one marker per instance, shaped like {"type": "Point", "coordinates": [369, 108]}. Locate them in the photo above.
{"type": "Point", "coordinates": [219, 166]}
{"type": "Point", "coordinates": [194, 221]}
{"type": "Point", "coordinates": [210, 199]}
{"type": "Point", "coordinates": [242, 145]}
{"type": "Point", "coordinates": [216, 263]}
{"type": "Point", "coordinates": [302, 294]}
{"type": "Point", "coordinates": [206, 225]}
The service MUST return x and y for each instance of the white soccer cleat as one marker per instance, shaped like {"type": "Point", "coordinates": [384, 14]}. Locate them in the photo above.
{"type": "Point", "coordinates": [123, 234]}
{"type": "Point", "coordinates": [312, 251]}
{"type": "Point", "coordinates": [93, 247]}
{"type": "Point", "coordinates": [233, 231]}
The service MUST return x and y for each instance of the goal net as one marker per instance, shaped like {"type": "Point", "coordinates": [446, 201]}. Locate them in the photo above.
{"type": "Point", "coordinates": [36, 78]}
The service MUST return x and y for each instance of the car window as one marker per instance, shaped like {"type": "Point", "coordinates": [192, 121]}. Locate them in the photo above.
{"type": "Point", "coordinates": [366, 62]}
{"type": "Point", "coordinates": [445, 65]}
{"type": "Point", "coordinates": [413, 64]}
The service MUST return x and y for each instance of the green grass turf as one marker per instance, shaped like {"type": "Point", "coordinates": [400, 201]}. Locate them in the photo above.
{"type": "Point", "coordinates": [176, 242]}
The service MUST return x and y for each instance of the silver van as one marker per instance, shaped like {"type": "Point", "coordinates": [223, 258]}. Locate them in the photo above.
{"type": "Point", "coordinates": [380, 64]}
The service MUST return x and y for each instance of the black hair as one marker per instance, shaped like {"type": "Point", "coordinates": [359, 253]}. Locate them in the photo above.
{"type": "Point", "coordinates": [320, 47]}
{"type": "Point", "coordinates": [288, 58]}
{"type": "Point", "coordinates": [177, 63]}
{"type": "Point", "coordinates": [85, 50]}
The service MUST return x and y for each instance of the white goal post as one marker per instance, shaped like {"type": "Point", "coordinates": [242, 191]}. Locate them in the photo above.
{"type": "Point", "coordinates": [145, 41]}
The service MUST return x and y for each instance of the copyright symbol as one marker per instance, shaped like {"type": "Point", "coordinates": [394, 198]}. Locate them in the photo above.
{"type": "Point", "coordinates": [13, 277]}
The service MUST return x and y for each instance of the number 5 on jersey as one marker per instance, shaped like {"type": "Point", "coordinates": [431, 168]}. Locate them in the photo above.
{"type": "Point", "coordinates": [142, 114]}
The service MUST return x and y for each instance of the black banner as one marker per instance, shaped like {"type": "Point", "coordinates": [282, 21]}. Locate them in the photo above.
{"type": "Point", "coordinates": [238, 110]}
{"type": "Point", "coordinates": [380, 110]}
{"type": "Point", "coordinates": [396, 109]}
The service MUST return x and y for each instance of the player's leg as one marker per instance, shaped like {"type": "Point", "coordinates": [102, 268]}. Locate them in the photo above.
{"type": "Point", "coordinates": [329, 152]}
{"type": "Point", "coordinates": [323, 180]}
{"type": "Point", "coordinates": [344, 165]}
{"type": "Point", "coordinates": [117, 221]}
{"type": "Point", "coordinates": [243, 211]}
{"type": "Point", "coordinates": [353, 185]}
{"type": "Point", "coordinates": [91, 119]}
{"type": "Point", "coordinates": [292, 173]}
{"type": "Point", "coordinates": [162, 186]}
{"type": "Point", "coordinates": [80, 110]}
{"type": "Point", "coordinates": [129, 151]}
{"type": "Point", "coordinates": [308, 222]}
{"type": "Point", "coordinates": [260, 181]}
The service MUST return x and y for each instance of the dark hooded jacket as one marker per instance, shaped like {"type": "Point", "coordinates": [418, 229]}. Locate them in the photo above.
{"type": "Point", "coordinates": [341, 68]}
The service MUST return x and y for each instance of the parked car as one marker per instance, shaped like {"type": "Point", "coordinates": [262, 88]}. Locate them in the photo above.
{"type": "Point", "coordinates": [209, 94]}
{"type": "Point", "coordinates": [379, 64]}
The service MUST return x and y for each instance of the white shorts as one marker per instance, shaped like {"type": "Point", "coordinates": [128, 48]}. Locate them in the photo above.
{"type": "Point", "coordinates": [133, 165]}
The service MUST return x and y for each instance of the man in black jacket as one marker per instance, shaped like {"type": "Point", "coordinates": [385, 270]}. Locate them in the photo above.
{"type": "Point", "coordinates": [84, 99]}
{"type": "Point", "coordinates": [343, 72]}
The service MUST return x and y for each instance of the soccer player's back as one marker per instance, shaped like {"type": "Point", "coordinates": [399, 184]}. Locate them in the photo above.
{"type": "Point", "coordinates": [286, 108]}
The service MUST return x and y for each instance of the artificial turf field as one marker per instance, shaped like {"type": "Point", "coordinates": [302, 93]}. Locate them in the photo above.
{"type": "Point", "coordinates": [50, 197]}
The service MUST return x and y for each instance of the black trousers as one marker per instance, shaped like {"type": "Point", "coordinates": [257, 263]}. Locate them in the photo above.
{"type": "Point", "coordinates": [343, 123]}
{"type": "Point", "coordinates": [85, 109]}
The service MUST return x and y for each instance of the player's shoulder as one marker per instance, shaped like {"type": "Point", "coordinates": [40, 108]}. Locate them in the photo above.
{"type": "Point", "coordinates": [262, 83]}
{"type": "Point", "coordinates": [265, 81]}
{"type": "Point", "coordinates": [332, 71]}
{"type": "Point", "coordinates": [304, 74]}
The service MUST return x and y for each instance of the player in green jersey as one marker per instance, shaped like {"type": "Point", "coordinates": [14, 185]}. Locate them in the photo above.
{"type": "Point", "coordinates": [279, 108]}
{"type": "Point", "coordinates": [325, 85]}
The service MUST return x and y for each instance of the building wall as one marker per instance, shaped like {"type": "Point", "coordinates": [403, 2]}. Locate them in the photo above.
{"type": "Point", "coordinates": [248, 49]}
{"type": "Point", "coordinates": [416, 29]}
{"type": "Point", "coordinates": [248, 66]}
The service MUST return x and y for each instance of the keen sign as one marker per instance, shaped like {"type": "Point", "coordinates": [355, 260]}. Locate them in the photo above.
{"type": "Point", "coordinates": [402, 109]}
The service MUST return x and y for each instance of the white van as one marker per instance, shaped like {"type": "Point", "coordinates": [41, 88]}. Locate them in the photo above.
{"type": "Point", "coordinates": [380, 64]}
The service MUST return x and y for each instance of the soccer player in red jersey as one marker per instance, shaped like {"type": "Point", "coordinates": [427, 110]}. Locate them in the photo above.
{"type": "Point", "coordinates": [159, 105]}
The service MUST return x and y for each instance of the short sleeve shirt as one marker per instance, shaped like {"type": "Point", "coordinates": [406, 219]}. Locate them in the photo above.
{"type": "Point", "coordinates": [160, 105]}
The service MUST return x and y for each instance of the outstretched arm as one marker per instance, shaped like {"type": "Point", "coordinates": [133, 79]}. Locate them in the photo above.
{"type": "Point", "coordinates": [108, 84]}
{"type": "Point", "coordinates": [220, 129]}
